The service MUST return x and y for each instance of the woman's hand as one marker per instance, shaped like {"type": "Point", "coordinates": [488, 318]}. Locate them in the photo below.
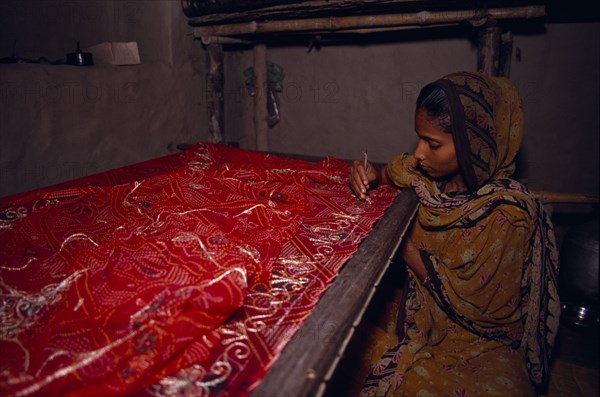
{"type": "Point", "coordinates": [361, 178]}
{"type": "Point", "coordinates": [412, 257]}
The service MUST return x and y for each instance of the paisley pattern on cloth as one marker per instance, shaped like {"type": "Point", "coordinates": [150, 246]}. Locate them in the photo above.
{"type": "Point", "coordinates": [184, 275]}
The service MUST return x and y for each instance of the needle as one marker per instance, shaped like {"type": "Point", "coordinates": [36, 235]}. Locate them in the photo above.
{"type": "Point", "coordinates": [365, 162]}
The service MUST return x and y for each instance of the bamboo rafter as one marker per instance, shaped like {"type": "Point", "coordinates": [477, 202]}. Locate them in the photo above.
{"type": "Point", "coordinates": [566, 198]}
{"type": "Point", "coordinates": [342, 23]}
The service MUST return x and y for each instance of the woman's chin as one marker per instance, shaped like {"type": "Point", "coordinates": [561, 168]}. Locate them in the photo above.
{"type": "Point", "coordinates": [431, 174]}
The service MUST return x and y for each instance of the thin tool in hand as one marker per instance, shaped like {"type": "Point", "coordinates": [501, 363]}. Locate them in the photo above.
{"type": "Point", "coordinates": [365, 162]}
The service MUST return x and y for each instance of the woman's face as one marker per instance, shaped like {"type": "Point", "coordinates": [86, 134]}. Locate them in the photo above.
{"type": "Point", "coordinates": [435, 150]}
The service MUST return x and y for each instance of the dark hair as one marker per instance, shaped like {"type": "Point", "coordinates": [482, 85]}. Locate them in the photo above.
{"type": "Point", "coordinates": [435, 102]}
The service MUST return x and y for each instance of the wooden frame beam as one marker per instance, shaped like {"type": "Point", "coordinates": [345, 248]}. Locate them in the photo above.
{"type": "Point", "coordinates": [488, 50]}
{"type": "Point", "coordinates": [260, 97]}
{"type": "Point", "coordinates": [335, 24]}
{"type": "Point", "coordinates": [215, 88]}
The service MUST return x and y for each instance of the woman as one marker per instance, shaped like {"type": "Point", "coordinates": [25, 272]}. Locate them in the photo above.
{"type": "Point", "coordinates": [481, 308]}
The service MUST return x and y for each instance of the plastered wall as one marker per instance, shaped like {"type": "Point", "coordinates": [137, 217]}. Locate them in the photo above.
{"type": "Point", "coordinates": [59, 122]}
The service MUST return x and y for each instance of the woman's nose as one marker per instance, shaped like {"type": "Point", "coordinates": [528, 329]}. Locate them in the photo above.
{"type": "Point", "coordinates": [419, 152]}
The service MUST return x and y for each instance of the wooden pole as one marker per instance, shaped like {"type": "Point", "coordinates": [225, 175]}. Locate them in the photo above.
{"type": "Point", "coordinates": [488, 49]}
{"type": "Point", "coordinates": [332, 24]}
{"type": "Point", "coordinates": [260, 96]}
{"type": "Point", "coordinates": [204, 9]}
{"type": "Point", "coordinates": [215, 87]}
{"type": "Point", "coordinates": [506, 48]}
{"type": "Point", "coordinates": [208, 40]}
{"type": "Point", "coordinates": [560, 197]}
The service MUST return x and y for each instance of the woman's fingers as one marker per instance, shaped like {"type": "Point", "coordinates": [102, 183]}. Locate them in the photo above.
{"type": "Point", "coordinates": [358, 180]}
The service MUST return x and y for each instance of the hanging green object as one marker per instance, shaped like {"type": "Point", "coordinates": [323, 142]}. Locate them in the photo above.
{"type": "Point", "coordinates": [274, 84]}
{"type": "Point", "coordinates": [275, 77]}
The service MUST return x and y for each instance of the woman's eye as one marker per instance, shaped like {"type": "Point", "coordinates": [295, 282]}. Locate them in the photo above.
{"type": "Point", "coordinates": [434, 146]}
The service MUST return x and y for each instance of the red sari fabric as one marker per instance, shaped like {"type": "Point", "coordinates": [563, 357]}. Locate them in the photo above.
{"type": "Point", "coordinates": [184, 275]}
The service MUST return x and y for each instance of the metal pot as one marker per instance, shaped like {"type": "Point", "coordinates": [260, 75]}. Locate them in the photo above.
{"type": "Point", "coordinates": [578, 277]}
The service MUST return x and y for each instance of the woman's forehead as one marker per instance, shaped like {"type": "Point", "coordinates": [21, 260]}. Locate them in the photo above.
{"type": "Point", "coordinates": [428, 127]}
